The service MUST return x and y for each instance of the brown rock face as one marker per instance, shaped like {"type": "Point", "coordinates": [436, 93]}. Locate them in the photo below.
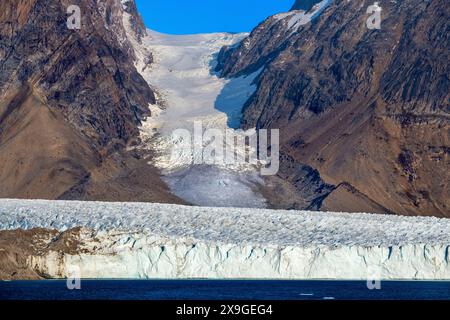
{"type": "Point", "coordinates": [17, 246]}
{"type": "Point", "coordinates": [368, 109]}
{"type": "Point", "coordinates": [70, 101]}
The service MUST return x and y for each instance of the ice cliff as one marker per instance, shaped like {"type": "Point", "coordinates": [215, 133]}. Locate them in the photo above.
{"type": "Point", "coordinates": [142, 240]}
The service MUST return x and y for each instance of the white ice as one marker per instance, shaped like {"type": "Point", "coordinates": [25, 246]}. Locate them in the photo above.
{"type": "Point", "coordinates": [189, 91]}
{"type": "Point", "coordinates": [142, 240]}
{"type": "Point", "coordinates": [229, 225]}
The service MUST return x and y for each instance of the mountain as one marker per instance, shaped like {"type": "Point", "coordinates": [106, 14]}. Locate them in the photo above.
{"type": "Point", "coordinates": [71, 102]}
{"type": "Point", "coordinates": [364, 113]}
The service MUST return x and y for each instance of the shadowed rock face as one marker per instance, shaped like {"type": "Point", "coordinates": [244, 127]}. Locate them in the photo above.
{"type": "Point", "coordinates": [368, 109]}
{"type": "Point", "coordinates": [70, 100]}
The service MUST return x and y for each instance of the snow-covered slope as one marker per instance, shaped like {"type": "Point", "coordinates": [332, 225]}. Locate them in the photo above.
{"type": "Point", "coordinates": [189, 92]}
{"type": "Point", "coordinates": [141, 240]}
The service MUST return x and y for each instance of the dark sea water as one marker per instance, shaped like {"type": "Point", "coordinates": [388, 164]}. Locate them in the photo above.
{"type": "Point", "coordinates": [223, 290]}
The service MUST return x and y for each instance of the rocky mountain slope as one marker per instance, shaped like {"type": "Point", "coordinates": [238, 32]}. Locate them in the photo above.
{"type": "Point", "coordinates": [71, 101]}
{"type": "Point", "coordinates": [364, 114]}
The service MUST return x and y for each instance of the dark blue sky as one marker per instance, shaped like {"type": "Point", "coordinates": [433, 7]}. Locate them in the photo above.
{"type": "Point", "coordinates": [203, 16]}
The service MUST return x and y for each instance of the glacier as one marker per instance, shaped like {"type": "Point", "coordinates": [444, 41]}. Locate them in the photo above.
{"type": "Point", "coordinates": [190, 92]}
{"type": "Point", "coordinates": [143, 240]}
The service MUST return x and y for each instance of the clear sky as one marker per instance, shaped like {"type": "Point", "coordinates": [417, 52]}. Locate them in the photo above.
{"type": "Point", "coordinates": [203, 16]}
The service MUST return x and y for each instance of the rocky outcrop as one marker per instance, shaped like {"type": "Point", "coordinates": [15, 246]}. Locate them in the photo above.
{"type": "Point", "coordinates": [17, 246]}
{"type": "Point", "coordinates": [71, 101]}
{"type": "Point", "coordinates": [368, 108]}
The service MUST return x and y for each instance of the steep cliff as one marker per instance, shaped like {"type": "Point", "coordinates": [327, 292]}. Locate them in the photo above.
{"type": "Point", "coordinates": [368, 109]}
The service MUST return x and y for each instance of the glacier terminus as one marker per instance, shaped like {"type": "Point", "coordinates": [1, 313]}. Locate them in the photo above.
{"type": "Point", "coordinates": [164, 241]}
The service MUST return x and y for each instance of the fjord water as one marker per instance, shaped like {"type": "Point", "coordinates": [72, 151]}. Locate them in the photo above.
{"type": "Point", "coordinates": [223, 290]}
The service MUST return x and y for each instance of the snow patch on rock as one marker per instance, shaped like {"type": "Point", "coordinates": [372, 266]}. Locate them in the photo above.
{"type": "Point", "coordinates": [296, 18]}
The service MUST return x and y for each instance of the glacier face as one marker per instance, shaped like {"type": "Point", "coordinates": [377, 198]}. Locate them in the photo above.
{"type": "Point", "coordinates": [137, 256]}
{"type": "Point", "coordinates": [143, 240]}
